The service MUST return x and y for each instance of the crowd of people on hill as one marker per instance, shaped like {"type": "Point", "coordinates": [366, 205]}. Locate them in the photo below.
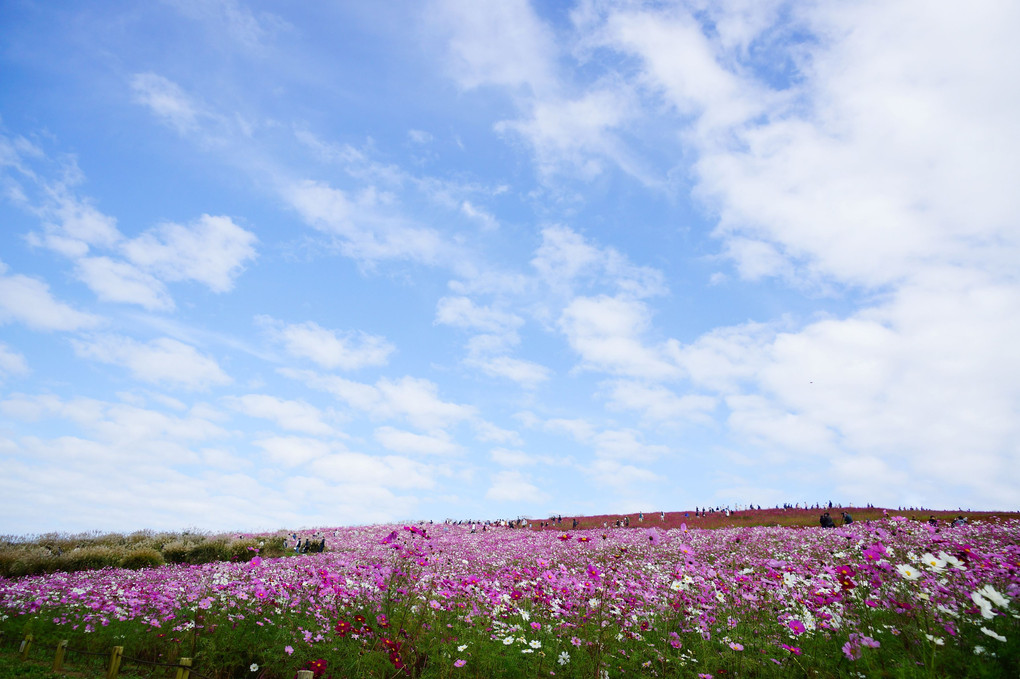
{"type": "Point", "coordinates": [826, 519]}
{"type": "Point", "coordinates": [477, 525]}
{"type": "Point", "coordinates": [307, 545]}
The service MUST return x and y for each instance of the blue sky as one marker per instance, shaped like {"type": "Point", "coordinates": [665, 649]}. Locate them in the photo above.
{"type": "Point", "coordinates": [270, 264]}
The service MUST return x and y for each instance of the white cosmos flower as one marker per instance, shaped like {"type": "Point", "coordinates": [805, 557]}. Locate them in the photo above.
{"type": "Point", "coordinates": [509, 640]}
{"type": "Point", "coordinates": [989, 593]}
{"type": "Point", "coordinates": [535, 643]}
{"type": "Point", "coordinates": [908, 572]}
{"type": "Point", "coordinates": [983, 604]}
{"type": "Point", "coordinates": [993, 634]}
{"type": "Point", "coordinates": [254, 667]}
{"type": "Point", "coordinates": [933, 562]}
{"type": "Point", "coordinates": [952, 561]}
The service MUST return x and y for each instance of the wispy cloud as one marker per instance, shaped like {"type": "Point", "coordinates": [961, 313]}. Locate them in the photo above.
{"type": "Point", "coordinates": [28, 300]}
{"type": "Point", "coordinates": [160, 361]}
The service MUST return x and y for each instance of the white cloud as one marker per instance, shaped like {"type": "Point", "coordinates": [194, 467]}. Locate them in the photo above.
{"type": "Point", "coordinates": [391, 471]}
{"type": "Point", "coordinates": [514, 486]}
{"type": "Point", "coordinates": [487, 221]}
{"type": "Point", "coordinates": [461, 312]}
{"type": "Point", "coordinates": [574, 135]}
{"type": "Point", "coordinates": [625, 478]}
{"type": "Point", "coordinates": [487, 431]}
{"type": "Point", "coordinates": [485, 351]}
{"type": "Point", "coordinates": [28, 300]}
{"type": "Point", "coordinates": [581, 430]}
{"type": "Point", "coordinates": [606, 333]}
{"type": "Point", "coordinates": [359, 503]}
{"type": "Point", "coordinates": [116, 281]}
{"type": "Point", "coordinates": [511, 458]}
{"type": "Point", "coordinates": [210, 250]}
{"type": "Point", "coordinates": [626, 444]}
{"type": "Point", "coordinates": [528, 374]}
{"type": "Point", "coordinates": [11, 362]}
{"type": "Point", "coordinates": [400, 441]}
{"type": "Point", "coordinates": [162, 360]}
{"type": "Point", "coordinates": [761, 421]}
{"type": "Point", "coordinates": [127, 496]}
{"type": "Point", "coordinates": [228, 17]}
{"type": "Point", "coordinates": [412, 399]}
{"type": "Point", "coordinates": [565, 258]}
{"type": "Point", "coordinates": [912, 381]}
{"type": "Point", "coordinates": [120, 433]}
{"type": "Point", "coordinates": [330, 348]}
{"type": "Point", "coordinates": [71, 225]}
{"type": "Point", "coordinates": [419, 136]}
{"type": "Point", "coordinates": [291, 451]}
{"type": "Point", "coordinates": [890, 149]}
{"type": "Point", "coordinates": [167, 101]}
{"type": "Point", "coordinates": [369, 225]}
{"type": "Point", "coordinates": [724, 357]}
{"type": "Point", "coordinates": [681, 60]}
{"type": "Point", "coordinates": [658, 403]}
{"type": "Point", "coordinates": [291, 415]}
{"type": "Point", "coordinates": [503, 44]}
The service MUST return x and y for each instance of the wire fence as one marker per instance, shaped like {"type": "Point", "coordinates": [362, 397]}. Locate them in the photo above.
{"type": "Point", "coordinates": [109, 662]}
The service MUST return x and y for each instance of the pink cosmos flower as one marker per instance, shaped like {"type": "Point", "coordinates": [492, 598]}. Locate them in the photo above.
{"type": "Point", "coordinates": [460, 662]}
{"type": "Point", "coordinates": [796, 626]}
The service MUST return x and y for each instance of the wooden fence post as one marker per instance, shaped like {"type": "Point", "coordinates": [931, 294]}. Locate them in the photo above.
{"type": "Point", "coordinates": [185, 669]}
{"type": "Point", "coordinates": [304, 674]}
{"type": "Point", "coordinates": [26, 644]}
{"type": "Point", "coordinates": [115, 655]}
{"type": "Point", "coordinates": [58, 660]}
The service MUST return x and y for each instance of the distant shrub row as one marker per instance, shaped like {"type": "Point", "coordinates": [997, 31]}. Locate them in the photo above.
{"type": "Point", "coordinates": [52, 553]}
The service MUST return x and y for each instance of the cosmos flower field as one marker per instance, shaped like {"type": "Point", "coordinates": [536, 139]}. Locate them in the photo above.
{"type": "Point", "coordinates": [886, 598]}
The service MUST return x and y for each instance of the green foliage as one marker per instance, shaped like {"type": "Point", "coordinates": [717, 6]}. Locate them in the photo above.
{"type": "Point", "coordinates": [12, 668]}
{"type": "Point", "coordinates": [177, 551]}
{"type": "Point", "coordinates": [92, 558]}
{"type": "Point", "coordinates": [145, 557]}
{"type": "Point", "coordinates": [209, 551]}
{"type": "Point", "coordinates": [15, 563]}
{"type": "Point", "coordinates": [53, 552]}
{"type": "Point", "coordinates": [273, 546]}
{"type": "Point", "coordinates": [243, 549]}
